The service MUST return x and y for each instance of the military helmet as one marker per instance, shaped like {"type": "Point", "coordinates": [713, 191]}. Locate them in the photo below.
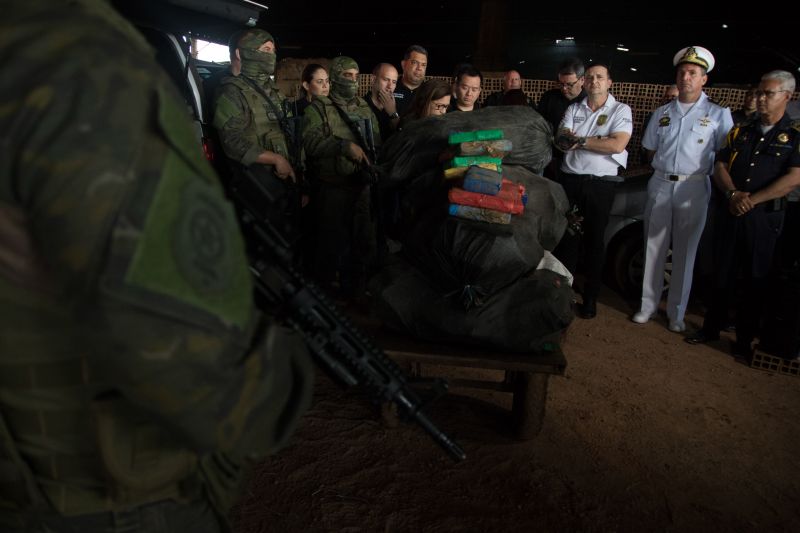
{"type": "Point", "coordinates": [253, 39]}
{"type": "Point", "coordinates": [340, 64]}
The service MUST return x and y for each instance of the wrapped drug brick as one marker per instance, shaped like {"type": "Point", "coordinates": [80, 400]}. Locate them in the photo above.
{"type": "Point", "coordinates": [458, 166]}
{"type": "Point", "coordinates": [499, 148]}
{"type": "Point", "coordinates": [482, 180]}
{"type": "Point", "coordinates": [510, 199]}
{"type": "Point", "coordinates": [479, 213]}
{"type": "Point", "coordinates": [461, 137]}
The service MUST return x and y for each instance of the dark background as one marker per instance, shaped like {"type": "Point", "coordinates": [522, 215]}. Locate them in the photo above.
{"type": "Point", "coordinates": [500, 34]}
{"type": "Point", "coordinates": [751, 45]}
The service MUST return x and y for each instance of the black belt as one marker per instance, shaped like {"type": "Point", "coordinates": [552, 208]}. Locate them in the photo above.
{"type": "Point", "coordinates": [683, 177]}
{"type": "Point", "coordinates": [775, 205]}
{"type": "Point", "coordinates": [595, 177]}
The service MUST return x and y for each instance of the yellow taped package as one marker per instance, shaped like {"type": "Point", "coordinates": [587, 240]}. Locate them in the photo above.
{"type": "Point", "coordinates": [458, 172]}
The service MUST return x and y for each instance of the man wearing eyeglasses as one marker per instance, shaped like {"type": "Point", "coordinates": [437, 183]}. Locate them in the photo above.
{"type": "Point", "coordinates": [414, 63]}
{"type": "Point", "coordinates": [553, 103]}
{"type": "Point", "coordinates": [757, 168]}
{"type": "Point", "coordinates": [681, 140]}
{"type": "Point", "coordinates": [569, 89]}
{"type": "Point", "coordinates": [466, 89]}
{"type": "Point", "coordinates": [594, 133]}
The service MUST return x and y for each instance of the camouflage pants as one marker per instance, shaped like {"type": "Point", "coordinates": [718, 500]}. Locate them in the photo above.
{"type": "Point", "coordinates": [345, 238]}
{"type": "Point", "coordinates": [159, 517]}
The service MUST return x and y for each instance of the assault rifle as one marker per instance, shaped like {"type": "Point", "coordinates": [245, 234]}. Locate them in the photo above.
{"type": "Point", "coordinates": [336, 345]}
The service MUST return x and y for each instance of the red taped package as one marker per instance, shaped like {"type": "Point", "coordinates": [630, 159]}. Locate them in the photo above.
{"type": "Point", "coordinates": [510, 199]}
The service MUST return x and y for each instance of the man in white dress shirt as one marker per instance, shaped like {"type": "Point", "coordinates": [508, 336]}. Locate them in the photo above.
{"type": "Point", "coordinates": [594, 133]}
{"type": "Point", "coordinates": [681, 139]}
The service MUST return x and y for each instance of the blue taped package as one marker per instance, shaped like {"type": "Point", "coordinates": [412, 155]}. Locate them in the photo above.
{"type": "Point", "coordinates": [482, 181]}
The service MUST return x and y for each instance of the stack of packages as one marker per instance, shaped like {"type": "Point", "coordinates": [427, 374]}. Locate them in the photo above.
{"type": "Point", "coordinates": [484, 194]}
{"type": "Point", "coordinates": [458, 279]}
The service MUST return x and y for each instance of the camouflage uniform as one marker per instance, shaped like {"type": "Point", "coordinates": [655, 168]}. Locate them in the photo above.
{"type": "Point", "coordinates": [134, 379]}
{"type": "Point", "coordinates": [341, 195]}
{"type": "Point", "coordinates": [247, 124]}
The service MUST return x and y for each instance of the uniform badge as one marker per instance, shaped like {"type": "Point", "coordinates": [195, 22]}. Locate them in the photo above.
{"type": "Point", "coordinates": [663, 122]}
{"type": "Point", "coordinates": [783, 138]}
{"type": "Point", "coordinates": [705, 121]}
{"type": "Point", "coordinates": [602, 119]}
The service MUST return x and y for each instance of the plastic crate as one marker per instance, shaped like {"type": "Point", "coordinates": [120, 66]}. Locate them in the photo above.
{"type": "Point", "coordinates": [770, 363]}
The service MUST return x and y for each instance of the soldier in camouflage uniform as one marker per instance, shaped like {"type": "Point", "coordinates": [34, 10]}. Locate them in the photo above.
{"type": "Point", "coordinates": [249, 108]}
{"type": "Point", "coordinates": [136, 377]}
{"type": "Point", "coordinates": [335, 160]}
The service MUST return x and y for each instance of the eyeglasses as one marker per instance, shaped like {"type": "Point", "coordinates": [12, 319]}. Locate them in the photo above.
{"type": "Point", "coordinates": [769, 94]}
{"type": "Point", "coordinates": [439, 107]}
{"type": "Point", "coordinates": [568, 85]}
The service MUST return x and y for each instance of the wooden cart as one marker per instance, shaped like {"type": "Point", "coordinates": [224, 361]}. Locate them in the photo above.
{"type": "Point", "coordinates": [526, 375]}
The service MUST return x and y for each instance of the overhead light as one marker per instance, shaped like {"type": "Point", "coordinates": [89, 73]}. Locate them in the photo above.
{"type": "Point", "coordinates": [569, 38]}
{"type": "Point", "coordinates": [257, 4]}
{"type": "Point", "coordinates": [522, 62]}
{"type": "Point", "coordinates": [633, 69]}
{"type": "Point", "coordinates": [622, 49]}
{"type": "Point", "coordinates": [724, 25]}
{"type": "Point", "coordinates": [558, 41]}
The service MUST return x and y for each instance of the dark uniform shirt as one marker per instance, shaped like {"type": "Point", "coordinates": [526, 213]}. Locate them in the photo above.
{"type": "Point", "coordinates": [494, 99]}
{"type": "Point", "coordinates": [403, 96]}
{"type": "Point", "coordinates": [454, 106]}
{"type": "Point", "coordinates": [384, 120]}
{"type": "Point", "coordinates": [553, 104]}
{"type": "Point", "coordinates": [755, 160]}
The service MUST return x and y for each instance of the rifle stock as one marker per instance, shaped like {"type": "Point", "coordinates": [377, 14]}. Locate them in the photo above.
{"type": "Point", "coordinates": [336, 345]}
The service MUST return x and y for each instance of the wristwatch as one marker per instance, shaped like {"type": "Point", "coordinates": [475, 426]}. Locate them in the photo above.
{"type": "Point", "coordinates": [581, 141]}
{"type": "Point", "coordinates": [394, 115]}
{"type": "Point", "coordinates": [729, 194]}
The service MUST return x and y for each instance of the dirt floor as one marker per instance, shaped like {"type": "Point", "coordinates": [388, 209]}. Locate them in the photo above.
{"type": "Point", "coordinates": [643, 433]}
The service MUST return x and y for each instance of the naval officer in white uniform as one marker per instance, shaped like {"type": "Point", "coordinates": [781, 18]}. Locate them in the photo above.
{"type": "Point", "coordinates": [681, 138]}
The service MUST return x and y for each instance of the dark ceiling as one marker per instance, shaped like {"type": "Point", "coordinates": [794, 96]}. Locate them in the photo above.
{"type": "Point", "coordinates": [514, 34]}
{"type": "Point", "coordinates": [750, 45]}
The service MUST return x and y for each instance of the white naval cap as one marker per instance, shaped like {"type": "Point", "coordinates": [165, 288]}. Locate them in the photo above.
{"type": "Point", "coordinates": [696, 55]}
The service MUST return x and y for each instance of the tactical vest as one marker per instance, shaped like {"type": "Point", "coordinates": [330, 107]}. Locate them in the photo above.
{"type": "Point", "coordinates": [106, 456]}
{"type": "Point", "coordinates": [338, 168]}
{"type": "Point", "coordinates": [265, 121]}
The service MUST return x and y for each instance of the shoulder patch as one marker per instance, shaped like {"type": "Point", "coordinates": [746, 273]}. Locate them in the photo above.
{"type": "Point", "coordinates": [795, 125]}
{"type": "Point", "coordinates": [190, 250]}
